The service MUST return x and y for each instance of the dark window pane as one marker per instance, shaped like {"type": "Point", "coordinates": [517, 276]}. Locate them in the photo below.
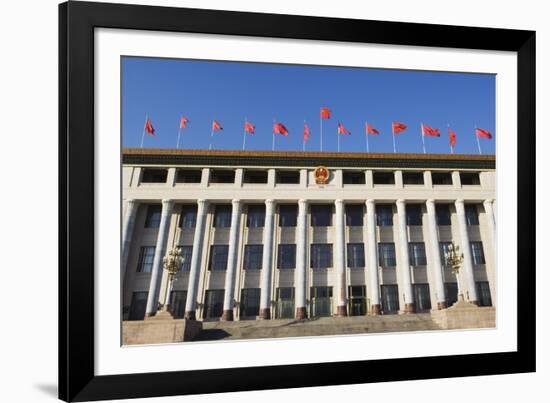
{"type": "Point", "coordinates": [414, 214]}
{"type": "Point", "coordinates": [177, 303]}
{"type": "Point", "coordinates": [353, 177]}
{"type": "Point", "coordinates": [356, 255]}
{"type": "Point", "coordinates": [186, 254]}
{"type": "Point", "coordinates": [443, 214]}
{"type": "Point", "coordinates": [483, 293]}
{"type": "Point", "coordinates": [288, 214]}
{"type": "Point", "coordinates": [442, 178]}
{"type": "Point", "coordinates": [253, 257]}
{"type": "Point", "coordinates": [383, 178]}
{"type": "Point", "coordinates": [413, 178]}
{"type": "Point", "coordinates": [138, 305]}
{"type": "Point", "coordinates": [443, 248]}
{"type": "Point", "coordinates": [472, 217]}
{"type": "Point", "coordinates": [384, 215]}
{"type": "Point", "coordinates": [451, 293]}
{"type": "Point", "coordinates": [321, 215]}
{"type": "Point", "coordinates": [256, 216]}
{"type": "Point", "coordinates": [321, 256]}
{"type": "Point", "coordinates": [146, 256]}
{"type": "Point", "coordinates": [417, 254]}
{"type": "Point", "coordinates": [286, 256]}
{"type": "Point", "coordinates": [354, 215]}
{"type": "Point", "coordinates": [152, 220]}
{"type": "Point", "coordinates": [250, 302]}
{"type": "Point", "coordinates": [188, 176]}
{"type": "Point", "coordinates": [255, 176]}
{"type": "Point", "coordinates": [321, 301]}
{"type": "Point", "coordinates": [422, 299]}
{"type": "Point", "coordinates": [357, 300]}
{"type": "Point", "coordinates": [218, 257]}
{"type": "Point", "coordinates": [285, 303]}
{"type": "Point", "coordinates": [287, 177]}
{"type": "Point", "coordinates": [222, 216]}
{"type": "Point", "coordinates": [390, 299]}
{"type": "Point", "coordinates": [477, 252]}
{"type": "Point", "coordinates": [153, 175]}
{"type": "Point", "coordinates": [213, 304]}
{"type": "Point", "coordinates": [469, 178]}
{"type": "Point", "coordinates": [188, 216]}
{"type": "Point", "coordinates": [222, 176]}
{"type": "Point", "coordinates": [386, 254]}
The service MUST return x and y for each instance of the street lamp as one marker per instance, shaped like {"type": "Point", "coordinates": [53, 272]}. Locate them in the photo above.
{"type": "Point", "coordinates": [454, 258]}
{"type": "Point", "coordinates": [171, 263]}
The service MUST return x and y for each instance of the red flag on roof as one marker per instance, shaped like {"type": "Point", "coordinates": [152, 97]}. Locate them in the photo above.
{"type": "Point", "coordinates": [371, 129]}
{"type": "Point", "coordinates": [306, 132]}
{"type": "Point", "coordinates": [216, 125]}
{"type": "Point", "coordinates": [183, 122]}
{"type": "Point", "coordinates": [342, 129]}
{"type": "Point", "coordinates": [325, 113]}
{"type": "Point", "coordinates": [279, 128]}
{"type": "Point", "coordinates": [483, 133]}
{"type": "Point", "coordinates": [149, 127]}
{"type": "Point", "coordinates": [452, 137]}
{"type": "Point", "coordinates": [397, 127]}
{"type": "Point", "coordinates": [430, 131]}
{"type": "Point", "coordinates": [249, 127]}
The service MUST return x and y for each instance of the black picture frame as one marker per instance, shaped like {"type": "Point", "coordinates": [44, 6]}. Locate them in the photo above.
{"type": "Point", "coordinates": [77, 379]}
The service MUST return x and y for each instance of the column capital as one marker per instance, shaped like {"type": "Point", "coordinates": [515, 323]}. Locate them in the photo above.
{"type": "Point", "coordinates": [302, 202]}
{"type": "Point", "coordinates": [202, 202]}
{"type": "Point", "coordinates": [130, 201]}
{"type": "Point", "coordinates": [489, 201]}
{"type": "Point", "coordinates": [430, 201]}
{"type": "Point", "coordinates": [167, 201]}
{"type": "Point", "coordinates": [269, 201]}
{"type": "Point", "coordinates": [236, 201]}
{"type": "Point", "coordinates": [338, 201]}
{"type": "Point", "coordinates": [459, 201]}
{"type": "Point", "coordinates": [400, 201]}
{"type": "Point", "coordinates": [370, 201]}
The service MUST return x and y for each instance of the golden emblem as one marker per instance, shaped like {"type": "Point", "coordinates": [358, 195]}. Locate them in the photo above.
{"type": "Point", "coordinates": [321, 175]}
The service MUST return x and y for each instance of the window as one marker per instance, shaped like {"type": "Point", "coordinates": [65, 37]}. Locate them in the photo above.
{"type": "Point", "coordinates": [186, 254]}
{"type": "Point", "coordinates": [477, 252]}
{"type": "Point", "coordinates": [146, 256]}
{"type": "Point", "coordinates": [188, 216]}
{"type": "Point", "coordinates": [353, 178]}
{"type": "Point", "coordinates": [321, 255]}
{"type": "Point", "coordinates": [386, 254]}
{"type": "Point", "coordinates": [256, 216]}
{"type": "Point", "coordinates": [442, 178]}
{"type": "Point", "coordinates": [471, 214]}
{"type": "Point", "coordinates": [443, 214]}
{"type": "Point", "coordinates": [288, 214]}
{"type": "Point", "coordinates": [422, 300]}
{"type": "Point", "coordinates": [177, 303]}
{"type": "Point", "coordinates": [321, 215]}
{"type": "Point", "coordinates": [222, 176]}
{"type": "Point", "coordinates": [287, 177]}
{"type": "Point", "coordinates": [253, 257]}
{"type": "Point", "coordinates": [354, 215]}
{"type": "Point", "coordinates": [413, 178]}
{"type": "Point", "coordinates": [222, 216]}
{"type": "Point", "coordinates": [218, 257]}
{"type": "Point", "coordinates": [384, 215]}
{"type": "Point", "coordinates": [357, 300]}
{"type": "Point", "coordinates": [383, 178]}
{"type": "Point", "coordinates": [154, 175]}
{"type": "Point", "coordinates": [390, 298]}
{"type": "Point", "coordinates": [286, 256]}
{"type": "Point", "coordinates": [414, 214]}
{"type": "Point", "coordinates": [443, 248]}
{"type": "Point", "coordinates": [321, 301]}
{"type": "Point", "coordinates": [469, 178]}
{"type": "Point", "coordinates": [483, 293]}
{"type": "Point", "coordinates": [250, 302]}
{"type": "Point", "coordinates": [285, 303]}
{"type": "Point", "coordinates": [152, 220]}
{"type": "Point", "coordinates": [417, 254]}
{"type": "Point", "coordinates": [356, 255]}
{"type": "Point", "coordinates": [213, 304]}
{"type": "Point", "coordinates": [451, 293]}
{"type": "Point", "coordinates": [255, 176]}
{"type": "Point", "coordinates": [188, 176]}
{"type": "Point", "coordinates": [138, 305]}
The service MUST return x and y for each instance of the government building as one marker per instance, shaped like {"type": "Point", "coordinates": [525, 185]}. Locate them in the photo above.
{"type": "Point", "coordinates": [271, 235]}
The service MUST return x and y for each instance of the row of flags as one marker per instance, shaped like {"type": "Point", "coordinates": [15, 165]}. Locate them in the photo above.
{"type": "Point", "coordinates": [325, 113]}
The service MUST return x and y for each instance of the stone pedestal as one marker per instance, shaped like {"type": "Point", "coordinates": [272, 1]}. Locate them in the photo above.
{"type": "Point", "coordinates": [465, 315]}
{"type": "Point", "coordinates": [162, 328]}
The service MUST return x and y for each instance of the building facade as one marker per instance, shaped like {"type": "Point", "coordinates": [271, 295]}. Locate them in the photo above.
{"type": "Point", "coordinates": [267, 235]}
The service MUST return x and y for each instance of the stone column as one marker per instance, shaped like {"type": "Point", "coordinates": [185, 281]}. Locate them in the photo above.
{"type": "Point", "coordinates": [267, 260]}
{"type": "Point", "coordinates": [196, 257]}
{"type": "Point", "coordinates": [301, 261]}
{"type": "Point", "coordinates": [340, 261]}
{"type": "Point", "coordinates": [127, 231]}
{"type": "Point", "coordinates": [229, 296]}
{"type": "Point", "coordinates": [404, 253]}
{"type": "Point", "coordinates": [160, 249]}
{"type": "Point", "coordinates": [372, 256]}
{"type": "Point", "coordinates": [435, 259]}
{"type": "Point", "coordinates": [467, 265]}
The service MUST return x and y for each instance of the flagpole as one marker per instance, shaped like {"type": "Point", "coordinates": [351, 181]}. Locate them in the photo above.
{"type": "Point", "coordinates": [477, 138]}
{"type": "Point", "coordinates": [244, 134]}
{"type": "Point", "coordinates": [304, 138]}
{"type": "Point", "coordinates": [367, 134]}
{"type": "Point", "coordinates": [211, 135]}
{"type": "Point", "coordinates": [273, 143]}
{"type": "Point", "coordinates": [321, 131]}
{"type": "Point", "coordinates": [338, 136]}
{"type": "Point", "coordinates": [422, 135]}
{"type": "Point", "coordinates": [393, 137]}
{"type": "Point", "coordinates": [143, 134]}
{"type": "Point", "coordinates": [450, 144]}
{"type": "Point", "coordinates": [179, 133]}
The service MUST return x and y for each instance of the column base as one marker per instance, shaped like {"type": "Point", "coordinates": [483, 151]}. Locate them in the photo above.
{"type": "Point", "coordinates": [265, 313]}
{"type": "Point", "coordinates": [441, 305]}
{"type": "Point", "coordinates": [409, 308]}
{"type": "Point", "coordinates": [227, 315]}
{"type": "Point", "coordinates": [301, 313]}
{"type": "Point", "coordinates": [375, 309]}
{"type": "Point", "coordinates": [149, 315]}
{"type": "Point", "coordinates": [342, 310]}
{"type": "Point", "coordinates": [190, 315]}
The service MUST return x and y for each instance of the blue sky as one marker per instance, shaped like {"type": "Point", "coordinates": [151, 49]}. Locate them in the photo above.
{"type": "Point", "coordinates": [167, 89]}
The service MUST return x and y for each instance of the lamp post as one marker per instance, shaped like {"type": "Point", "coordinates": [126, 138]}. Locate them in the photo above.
{"type": "Point", "coordinates": [454, 258]}
{"type": "Point", "coordinates": [171, 263]}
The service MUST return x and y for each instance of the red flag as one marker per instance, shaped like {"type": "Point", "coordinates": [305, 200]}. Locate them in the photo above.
{"type": "Point", "coordinates": [397, 127]}
{"type": "Point", "coordinates": [371, 129]}
{"type": "Point", "coordinates": [483, 133]}
{"type": "Point", "coordinates": [216, 125]}
{"type": "Point", "coordinates": [430, 131]}
{"type": "Point", "coordinates": [149, 127]}
{"type": "Point", "coordinates": [452, 137]}
{"type": "Point", "coordinates": [342, 129]}
{"type": "Point", "coordinates": [279, 128]}
{"type": "Point", "coordinates": [249, 127]}
{"type": "Point", "coordinates": [306, 132]}
{"type": "Point", "coordinates": [183, 122]}
{"type": "Point", "coordinates": [325, 113]}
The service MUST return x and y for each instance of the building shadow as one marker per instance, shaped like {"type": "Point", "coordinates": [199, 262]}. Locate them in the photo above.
{"type": "Point", "coordinates": [211, 334]}
{"type": "Point", "coordinates": [49, 389]}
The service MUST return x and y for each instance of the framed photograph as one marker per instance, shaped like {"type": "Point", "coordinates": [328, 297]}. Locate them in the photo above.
{"type": "Point", "coordinates": [257, 201]}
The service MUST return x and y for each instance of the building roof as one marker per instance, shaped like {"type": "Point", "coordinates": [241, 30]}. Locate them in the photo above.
{"type": "Point", "coordinates": [163, 156]}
